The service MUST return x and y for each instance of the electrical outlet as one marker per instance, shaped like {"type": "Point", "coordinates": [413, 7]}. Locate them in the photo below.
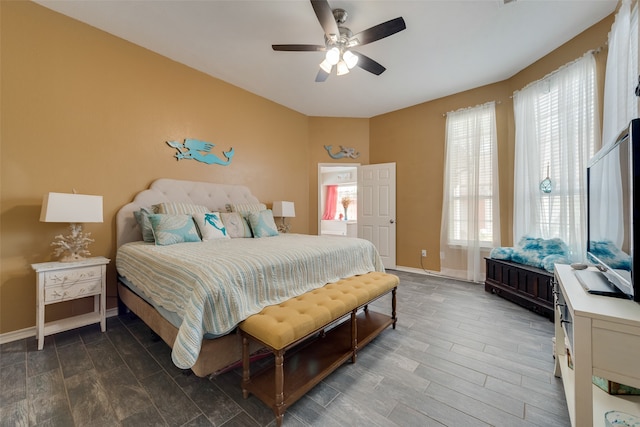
{"type": "Point", "coordinates": [424, 253]}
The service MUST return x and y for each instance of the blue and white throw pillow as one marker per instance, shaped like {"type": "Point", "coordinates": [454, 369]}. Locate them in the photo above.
{"type": "Point", "coordinates": [210, 225]}
{"type": "Point", "coordinates": [262, 223]}
{"type": "Point", "coordinates": [170, 229]}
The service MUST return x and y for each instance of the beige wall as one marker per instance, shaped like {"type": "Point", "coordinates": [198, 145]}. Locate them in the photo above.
{"type": "Point", "coordinates": [348, 132]}
{"type": "Point", "coordinates": [414, 138]}
{"type": "Point", "coordinates": [84, 110]}
{"type": "Point", "coordinates": [81, 109]}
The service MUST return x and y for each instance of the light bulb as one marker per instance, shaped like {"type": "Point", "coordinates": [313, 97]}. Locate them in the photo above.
{"type": "Point", "coordinates": [333, 56]}
{"type": "Point", "coordinates": [350, 59]}
{"type": "Point", "coordinates": [342, 68]}
{"type": "Point", "coordinates": [326, 66]}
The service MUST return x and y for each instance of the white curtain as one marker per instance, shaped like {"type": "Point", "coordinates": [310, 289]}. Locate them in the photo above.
{"type": "Point", "coordinates": [471, 209]}
{"type": "Point", "coordinates": [621, 78]}
{"type": "Point", "coordinates": [557, 130]}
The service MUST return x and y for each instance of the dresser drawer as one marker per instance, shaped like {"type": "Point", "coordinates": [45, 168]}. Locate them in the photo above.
{"type": "Point", "coordinates": [72, 290]}
{"type": "Point", "coordinates": [71, 277]}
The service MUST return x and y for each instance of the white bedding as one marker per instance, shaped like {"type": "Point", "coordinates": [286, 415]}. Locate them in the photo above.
{"type": "Point", "coordinates": [214, 285]}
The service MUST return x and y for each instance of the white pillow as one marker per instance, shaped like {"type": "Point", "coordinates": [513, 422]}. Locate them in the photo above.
{"type": "Point", "coordinates": [246, 208]}
{"type": "Point", "coordinates": [178, 208]}
{"type": "Point", "coordinates": [210, 225]}
{"type": "Point", "coordinates": [236, 225]}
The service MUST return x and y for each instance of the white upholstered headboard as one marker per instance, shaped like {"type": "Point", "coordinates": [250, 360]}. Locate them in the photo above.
{"type": "Point", "coordinates": [213, 196]}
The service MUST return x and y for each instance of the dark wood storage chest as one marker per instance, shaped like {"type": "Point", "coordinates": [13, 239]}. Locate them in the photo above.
{"type": "Point", "coordinates": [527, 286]}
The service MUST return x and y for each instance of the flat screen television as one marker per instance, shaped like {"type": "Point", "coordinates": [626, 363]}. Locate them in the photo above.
{"type": "Point", "coordinates": [613, 210]}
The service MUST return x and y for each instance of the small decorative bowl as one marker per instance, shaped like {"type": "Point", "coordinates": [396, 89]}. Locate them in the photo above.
{"type": "Point", "coordinates": [620, 419]}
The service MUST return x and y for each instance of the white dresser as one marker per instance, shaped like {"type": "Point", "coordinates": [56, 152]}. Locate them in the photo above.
{"type": "Point", "coordinates": [603, 338]}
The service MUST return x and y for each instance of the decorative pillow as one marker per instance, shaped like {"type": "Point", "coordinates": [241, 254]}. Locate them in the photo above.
{"type": "Point", "coordinates": [536, 252]}
{"type": "Point", "coordinates": [235, 224]}
{"type": "Point", "coordinates": [210, 225]}
{"type": "Point", "coordinates": [501, 253]}
{"type": "Point", "coordinates": [549, 262]}
{"type": "Point", "coordinates": [177, 208]}
{"type": "Point", "coordinates": [245, 208]}
{"type": "Point", "coordinates": [142, 217]}
{"type": "Point", "coordinates": [262, 223]}
{"type": "Point", "coordinates": [170, 229]}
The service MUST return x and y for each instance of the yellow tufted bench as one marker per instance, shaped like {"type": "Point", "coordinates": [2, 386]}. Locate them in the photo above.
{"type": "Point", "coordinates": [325, 327]}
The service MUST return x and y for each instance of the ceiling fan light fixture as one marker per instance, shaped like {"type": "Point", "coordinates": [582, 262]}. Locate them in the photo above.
{"type": "Point", "coordinates": [350, 59]}
{"type": "Point", "coordinates": [342, 68]}
{"type": "Point", "coordinates": [333, 56]}
{"type": "Point", "coordinates": [326, 67]}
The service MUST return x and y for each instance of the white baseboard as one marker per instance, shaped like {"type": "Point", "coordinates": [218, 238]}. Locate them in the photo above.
{"type": "Point", "coordinates": [429, 273]}
{"type": "Point", "coordinates": [31, 332]}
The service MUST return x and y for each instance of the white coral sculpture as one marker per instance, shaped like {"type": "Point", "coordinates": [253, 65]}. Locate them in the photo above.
{"type": "Point", "coordinates": [74, 246]}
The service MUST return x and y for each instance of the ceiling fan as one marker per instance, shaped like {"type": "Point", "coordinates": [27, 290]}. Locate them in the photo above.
{"type": "Point", "coordinates": [339, 41]}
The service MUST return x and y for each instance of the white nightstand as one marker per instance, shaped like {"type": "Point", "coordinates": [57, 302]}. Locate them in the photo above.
{"type": "Point", "coordinates": [65, 281]}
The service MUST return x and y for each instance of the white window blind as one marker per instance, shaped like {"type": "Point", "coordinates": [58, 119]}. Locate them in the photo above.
{"type": "Point", "coordinates": [470, 218]}
{"type": "Point", "coordinates": [470, 144]}
{"type": "Point", "coordinates": [556, 133]}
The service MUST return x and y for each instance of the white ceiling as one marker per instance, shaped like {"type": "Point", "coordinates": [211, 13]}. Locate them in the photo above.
{"type": "Point", "coordinates": [449, 45]}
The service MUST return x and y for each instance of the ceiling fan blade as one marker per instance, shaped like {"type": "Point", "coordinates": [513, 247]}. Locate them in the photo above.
{"type": "Point", "coordinates": [380, 31]}
{"type": "Point", "coordinates": [369, 64]}
{"type": "Point", "coordinates": [299, 47]}
{"type": "Point", "coordinates": [325, 17]}
{"type": "Point", "coordinates": [321, 76]}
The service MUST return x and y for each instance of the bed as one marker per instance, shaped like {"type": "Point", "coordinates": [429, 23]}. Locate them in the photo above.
{"type": "Point", "coordinates": [194, 294]}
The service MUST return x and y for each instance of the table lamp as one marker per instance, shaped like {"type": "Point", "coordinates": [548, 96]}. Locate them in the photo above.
{"type": "Point", "coordinates": [74, 209]}
{"type": "Point", "coordinates": [283, 210]}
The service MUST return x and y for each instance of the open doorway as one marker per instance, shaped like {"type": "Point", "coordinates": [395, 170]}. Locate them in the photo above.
{"type": "Point", "coordinates": [337, 199]}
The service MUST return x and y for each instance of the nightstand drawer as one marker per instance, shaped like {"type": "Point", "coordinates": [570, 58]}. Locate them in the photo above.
{"type": "Point", "coordinates": [71, 277]}
{"type": "Point", "coordinates": [72, 290]}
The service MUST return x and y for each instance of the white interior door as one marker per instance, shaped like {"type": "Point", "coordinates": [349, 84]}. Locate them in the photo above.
{"type": "Point", "coordinates": [377, 209]}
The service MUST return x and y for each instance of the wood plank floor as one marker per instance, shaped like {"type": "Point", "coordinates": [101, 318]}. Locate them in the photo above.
{"type": "Point", "coordinates": [459, 357]}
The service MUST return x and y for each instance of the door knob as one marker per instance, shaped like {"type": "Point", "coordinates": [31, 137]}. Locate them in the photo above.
{"type": "Point", "coordinates": [391, 221]}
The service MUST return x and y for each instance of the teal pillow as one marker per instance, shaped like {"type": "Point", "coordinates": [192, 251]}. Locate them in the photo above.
{"type": "Point", "coordinates": [142, 217]}
{"type": "Point", "coordinates": [262, 223]}
{"type": "Point", "coordinates": [170, 229]}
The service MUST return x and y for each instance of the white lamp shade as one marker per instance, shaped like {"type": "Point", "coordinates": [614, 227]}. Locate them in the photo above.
{"type": "Point", "coordinates": [326, 66]}
{"type": "Point", "coordinates": [284, 209]}
{"type": "Point", "coordinates": [350, 59]}
{"type": "Point", "coordinates": [72, 208]}
{"type": "Point", "coordinates": [342, 68]}
{"type": "Point", "coordinates": [333, 56]}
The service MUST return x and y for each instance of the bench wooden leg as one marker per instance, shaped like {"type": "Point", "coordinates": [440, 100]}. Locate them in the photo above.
{"type": "Point", "coordinates": [279, 378]}
{"type": "Point", "coordinates": [393, 307]}
{"type": "Point", "coordinates": [354, 336]}
{"type": "Point", "coordinates": [245, 366]}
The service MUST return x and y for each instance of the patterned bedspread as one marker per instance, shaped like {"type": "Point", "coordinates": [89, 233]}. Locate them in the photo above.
{"type": "Point", "coordinates": [216, 284]}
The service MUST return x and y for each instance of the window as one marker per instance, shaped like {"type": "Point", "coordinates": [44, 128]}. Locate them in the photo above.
{"type": "Point", "coordinates": [556, 133]}
{"type": "Point", "coordinates": [347, 193]}
{"type": "Point", "coordinates": [471, 145]}
{"type": "Point", "coordinates": [339, 196]}
{"type": "Point", "coordinates": [470, 208]}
